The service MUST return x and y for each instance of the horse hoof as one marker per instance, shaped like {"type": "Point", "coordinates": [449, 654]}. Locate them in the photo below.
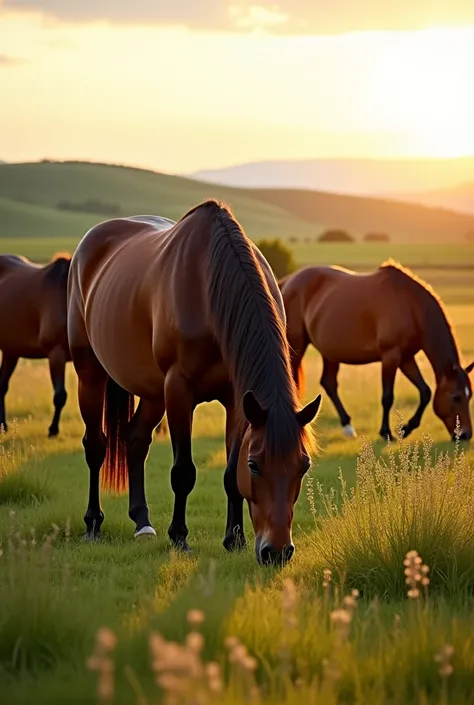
{"type": "Point", "coordinates": [234, 543]}
{"type": "Point", "coordinates": [53, 433]}
{"type": "Point", "coordinates": [386, 436]}
{"type": "Point", "coordinates": [349, 431]}
{"type": "Point", "coordinates": [147, 532]}
{"type": "Point", "coordinates": [91, 536]}
{"type": "Point", "coordinates": [406, 430]}
{"type": "Point", "coordinates": [182, 546]}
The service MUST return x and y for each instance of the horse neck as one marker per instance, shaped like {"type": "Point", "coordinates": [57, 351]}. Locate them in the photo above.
{"type": "Point", "coordinates": [438, 342]}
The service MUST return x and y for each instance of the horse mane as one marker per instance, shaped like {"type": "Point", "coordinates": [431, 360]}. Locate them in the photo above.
{"type": "Point", "coordinates": [251, 335]}
{"type": "Point", "coordinates": [433, 299]}
{"type": "Point", "coordinates": [57, 270]}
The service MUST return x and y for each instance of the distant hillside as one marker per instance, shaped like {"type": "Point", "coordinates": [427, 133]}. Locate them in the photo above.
{"type": "Point", "coordinates": [459, 198]}
{"type": "Point", "coordinates": [30, 194]}
{"type": "Point", "coordinates": [401, 221]}
{"type": "Point", "coordinates": [55, 199]}
{"type": "Point", "coordinates": [347, 176]}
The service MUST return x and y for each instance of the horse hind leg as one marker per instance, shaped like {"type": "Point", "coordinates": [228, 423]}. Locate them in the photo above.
{"type": "Point", "coordinates": [330, 386]}
{"type": "Point", "coordinates": [91, 388]}
{"type": "Point", "coordinates": [147, 416]}
{"type": "Point", "coordinates": [57, 369]}
{"type": "Point", "coordinates": [6, 370]}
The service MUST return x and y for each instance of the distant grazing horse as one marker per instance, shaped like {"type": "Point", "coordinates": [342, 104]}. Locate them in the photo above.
{"type": "Point", "coordinates": [179, 315]}
{"type": "Point", "coordinates": [33, 312]}
{"type": "Point", "coordinates": [387, 316]}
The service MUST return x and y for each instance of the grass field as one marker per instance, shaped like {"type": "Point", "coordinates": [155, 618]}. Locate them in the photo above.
{"type": "Point", "coordinates": [55, 595]}
{"type": "Point", "coordinates": [307, 639]}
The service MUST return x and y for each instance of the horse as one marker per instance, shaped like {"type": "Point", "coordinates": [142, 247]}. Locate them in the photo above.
{"type": "Point", "coordinates": [176, 316]}
{"type": "Point", "coordinates": [33, 325]}
{"type": "Point", "coordinates": [386, 316]}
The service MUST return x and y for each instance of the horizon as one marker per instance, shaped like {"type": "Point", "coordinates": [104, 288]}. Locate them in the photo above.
{"type": "Point", "coordinates": [177, 91]}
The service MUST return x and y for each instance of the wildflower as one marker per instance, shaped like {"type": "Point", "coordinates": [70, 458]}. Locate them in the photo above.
{"type": "Point", "coordinates": [195, 617]}
{"type": "Point", "coordinates": [416, 573]}
{"type": "Point", "coordinates": [340, 617]}
{"type": "Point", "coordinates": [106, 639]}
{"type": "Point", "coordinates": [249, 663]}
{"type": "Point", "coordinates": [100, 661]}
{"type": "Point", "coordinates": [195, 642]}
{"type": "Point", "coordinates": [231, 642]}
{"type": "Point", "coordinates": [443, 658]}
{"type": "Point", "coordinates": [238, 653]}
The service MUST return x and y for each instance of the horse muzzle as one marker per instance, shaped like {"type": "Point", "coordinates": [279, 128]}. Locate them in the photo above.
{"type": "Point", "coordinates": [268, 555]}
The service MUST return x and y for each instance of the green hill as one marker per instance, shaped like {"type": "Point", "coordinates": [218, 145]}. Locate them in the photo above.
{"type": "Point", "coordinates": [31, 196]}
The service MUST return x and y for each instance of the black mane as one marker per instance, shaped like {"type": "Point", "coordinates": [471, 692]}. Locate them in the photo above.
{"type": "Point", "coordinates": [249, 329]}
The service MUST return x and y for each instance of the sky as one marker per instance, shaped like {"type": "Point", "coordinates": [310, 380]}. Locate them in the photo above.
{"type": "Point", "coordinates": [181, 85]}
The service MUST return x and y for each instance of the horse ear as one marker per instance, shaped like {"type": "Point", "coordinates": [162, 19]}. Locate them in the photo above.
{"type": "Point", "coordinates": [255, 415]}
{"type": "Point", "coordinates": [306, 415]}
{"type": "Point", "coordinates": [469, 368]}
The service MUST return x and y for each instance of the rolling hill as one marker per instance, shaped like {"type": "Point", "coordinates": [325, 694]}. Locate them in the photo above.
{"type": "Point", "coordinates": [357, 177]}
{"type": "Point", "coordinates": [459, 198]}
{"type": "Point", "coordinates": [31, 193]}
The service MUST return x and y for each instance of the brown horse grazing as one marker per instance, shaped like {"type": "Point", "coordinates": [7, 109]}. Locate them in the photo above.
{"type": "Point", "coordinates": [33, 310]}
{"type": "Point", "coordinates": [387, 316]}
{"type": "Point", "coordinates": [179, 315]}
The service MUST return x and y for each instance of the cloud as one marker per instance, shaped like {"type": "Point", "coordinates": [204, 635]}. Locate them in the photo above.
{"type": "Point", "coordinates": [283, 16]}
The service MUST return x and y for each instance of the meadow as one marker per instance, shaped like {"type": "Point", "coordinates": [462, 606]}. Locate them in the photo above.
{"type": "Point", "coordinates": [132, 622]}
{"type": "Point", "coordinates": [271, 636]}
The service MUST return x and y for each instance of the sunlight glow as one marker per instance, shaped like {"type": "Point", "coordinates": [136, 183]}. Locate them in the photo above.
{"type": "Point", "coordinates": [179, 100]}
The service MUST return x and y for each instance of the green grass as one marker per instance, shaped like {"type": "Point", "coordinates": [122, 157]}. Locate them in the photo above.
{"type": "Point", "coordinates": [54, 596]}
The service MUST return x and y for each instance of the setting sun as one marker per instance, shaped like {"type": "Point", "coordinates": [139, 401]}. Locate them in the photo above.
{"type": "Point", "coordinates": [133, 92]}
{"type": "Point", "coordinates": [424, 88]}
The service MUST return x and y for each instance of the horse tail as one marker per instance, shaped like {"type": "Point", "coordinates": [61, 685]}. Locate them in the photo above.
{"type": "Point", "coordinates": [119, 408]}
{"type": "Point", "coordinates": [300, 378]}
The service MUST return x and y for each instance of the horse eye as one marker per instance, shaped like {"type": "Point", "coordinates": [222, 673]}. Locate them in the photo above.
{"type": "Point", "coordinates": [253, 467]}
{"type": "Point", "coordinates": [306, 464]}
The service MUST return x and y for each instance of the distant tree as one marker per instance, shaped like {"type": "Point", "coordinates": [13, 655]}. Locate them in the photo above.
{"type": "Point", "coordinates": [293, 240]}
{"type": "Point", "coordinates": [92, 205]}
{"type": "Point", "coordinates": [376, 237]}
{"type": "Point", "coordinates": [470, 236]}
{"type": "Point", "coordinates": [278, 255]}
{"type": "Point", "coordinates": [336, 235]}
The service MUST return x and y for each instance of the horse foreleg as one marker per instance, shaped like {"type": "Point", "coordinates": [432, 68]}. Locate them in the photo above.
{"type": "Point", "coordinates": [146, 418]}
{"type": "Point", "coordinates": [390, 364]}
{"type": "Point", "coordinates": [330, 385]}
{"type": "Point", "coordinates": [412, 372]}
{"type": "Point", "coordinates": [179, 411]}
{"type": "Point", "coordinates": [6, 370]}
{"type": "Point", "coordinates": [92, 381]}
{"type": "Point", "coordinates": [57, 369]}
{"type": "Point", "coordinates": [234, 533]}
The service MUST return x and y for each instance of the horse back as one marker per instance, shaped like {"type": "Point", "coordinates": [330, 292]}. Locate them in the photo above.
{"type": "Point", "coordinates": [32, 306]}
{"type": "Point", "coordinates": [137, 297]}
{"type": "Point", "coordinates": [349, 317]}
